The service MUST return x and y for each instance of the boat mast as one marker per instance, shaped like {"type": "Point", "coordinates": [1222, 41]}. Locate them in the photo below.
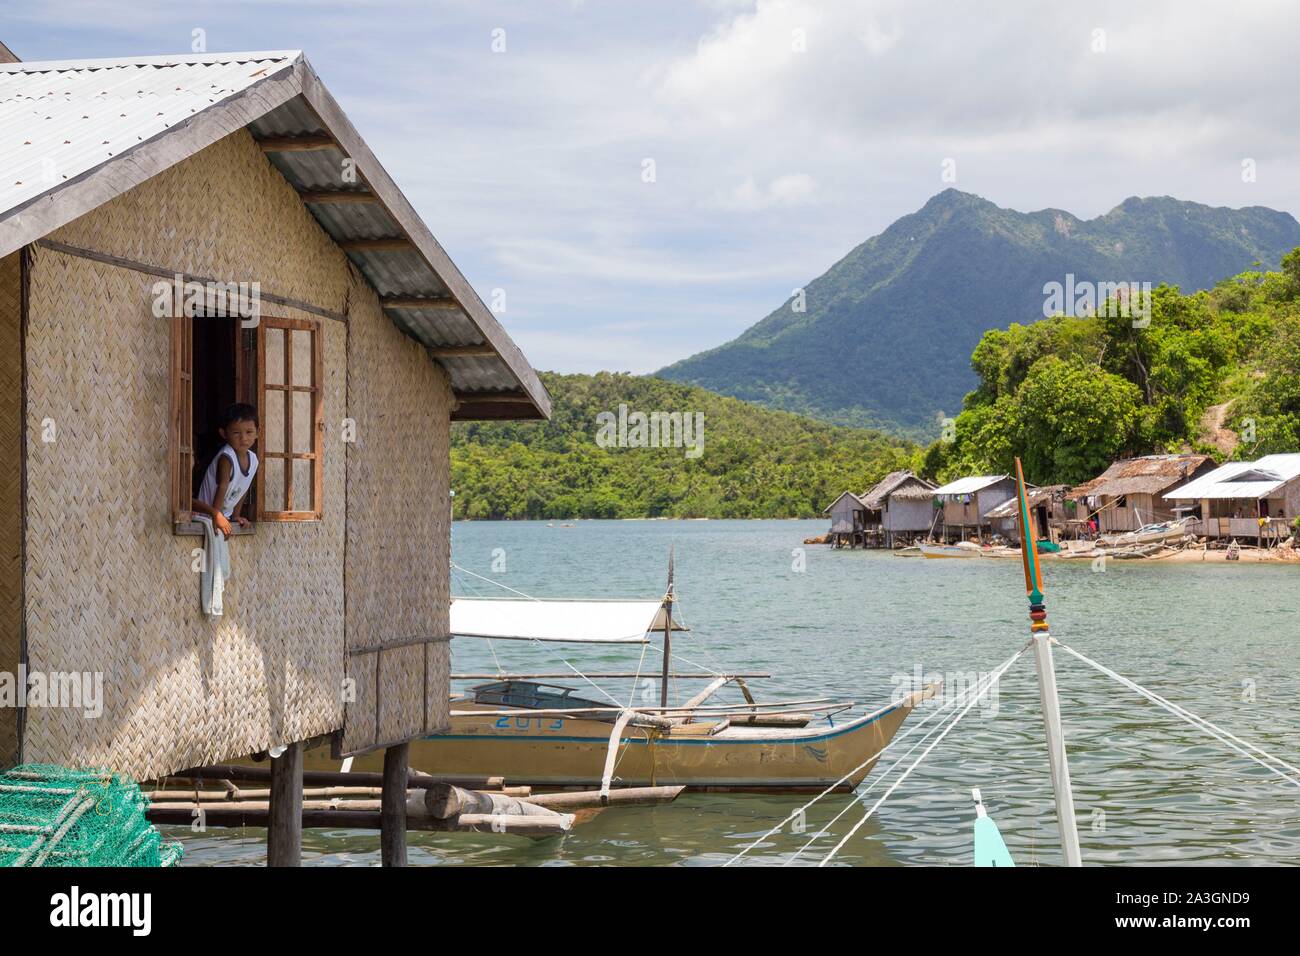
{"type": "Point", "coordinates": [668, 631]}
{"type": "Point", "coordinates": [1042, 639]}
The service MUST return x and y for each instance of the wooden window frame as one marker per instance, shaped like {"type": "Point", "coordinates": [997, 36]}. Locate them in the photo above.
{"type": "Point", "coordinates": [181, 431]}
{"type": "Point", "coordinates": [288, 456]}
{"type": "Point", "coordinates": [180, 452]}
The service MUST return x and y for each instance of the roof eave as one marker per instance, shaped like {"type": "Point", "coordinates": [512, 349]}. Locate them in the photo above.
{"type": "Point", "coordinates": [534, 402]}
{"type": "Point", "coordinates": [295, 77]}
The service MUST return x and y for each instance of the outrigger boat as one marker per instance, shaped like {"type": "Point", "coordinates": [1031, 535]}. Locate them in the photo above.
{"type": "Point", "coordinates": [1158, 533]}
{"type": "Point", "coordinates": [962, 549]}
{"type": "Point", "coordinates": [530, 732]}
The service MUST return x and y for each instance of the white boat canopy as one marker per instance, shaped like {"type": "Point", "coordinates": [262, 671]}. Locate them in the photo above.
{"type": "Point", "coordinates": [576, 622]}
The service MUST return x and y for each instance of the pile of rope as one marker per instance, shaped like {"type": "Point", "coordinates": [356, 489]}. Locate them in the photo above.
{"type": "Point", "coordinates": [53, 816]}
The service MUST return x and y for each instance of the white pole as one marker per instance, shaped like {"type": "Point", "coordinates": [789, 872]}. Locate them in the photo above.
{"type": "Point", "coordinates": [1056, 749]}
{"type": "Point", "coordinates": [1042, 639]}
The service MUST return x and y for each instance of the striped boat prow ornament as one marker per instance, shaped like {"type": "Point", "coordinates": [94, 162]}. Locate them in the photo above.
{"type": "Point", "coordinates": [1029, 556]}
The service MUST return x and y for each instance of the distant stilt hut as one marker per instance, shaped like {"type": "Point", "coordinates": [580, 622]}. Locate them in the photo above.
{"type": "Point", "coordinates": [1257, 500]}
{"type": "Point", "coordinates": [177, 234]}
{"type": "Point", "coordinates": [903, 508]}
{"type": "Point", "coordinates": [848, 520]}
{"type": "Point", "coordinates": [966, 501]}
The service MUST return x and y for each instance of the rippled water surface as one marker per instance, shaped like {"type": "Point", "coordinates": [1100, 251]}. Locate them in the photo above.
{"type": "Point", "coordinates": [1223, 641]}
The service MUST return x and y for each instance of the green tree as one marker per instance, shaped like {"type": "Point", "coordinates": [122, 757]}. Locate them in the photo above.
{"type": "Point", "coordinates": [1074, 419]}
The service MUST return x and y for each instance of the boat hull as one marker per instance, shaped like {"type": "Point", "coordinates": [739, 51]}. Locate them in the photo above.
{"type": "Point", "coordinates": [947, 551]}
{"type": "Point", "coordinates": [547, 751]}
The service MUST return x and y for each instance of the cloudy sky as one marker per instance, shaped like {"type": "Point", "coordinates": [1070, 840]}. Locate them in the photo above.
{"type": "Point", "coordinates": [778, 134]}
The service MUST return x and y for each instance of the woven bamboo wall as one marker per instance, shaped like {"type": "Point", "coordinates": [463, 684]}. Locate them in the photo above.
{"type": "Point", "coordinates": [399, 531]}
{"type": "Point", "coordinates": [11, 572]}
{"type": "Point", "coordinates": [111, 588]}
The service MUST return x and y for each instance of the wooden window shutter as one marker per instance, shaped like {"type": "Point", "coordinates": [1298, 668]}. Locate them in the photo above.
{"type": "Point", "coordinates": [247, 390]}
{"type": "Point", "coordinates": [181, 438]}
{"type": "Point", "coordinates": [291, 408]}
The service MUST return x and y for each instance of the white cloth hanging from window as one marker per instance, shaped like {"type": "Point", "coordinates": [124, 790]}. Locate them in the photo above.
{"type": "Point", "coordinates": [216, 568]}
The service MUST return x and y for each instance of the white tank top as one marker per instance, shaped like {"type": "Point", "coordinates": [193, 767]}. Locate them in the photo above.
{"type": "Point", "coordinates": [239, 480]}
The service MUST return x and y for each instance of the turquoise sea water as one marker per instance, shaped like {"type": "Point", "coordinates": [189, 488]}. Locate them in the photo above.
{"type": "Point", "coordinates": [1221, 640]}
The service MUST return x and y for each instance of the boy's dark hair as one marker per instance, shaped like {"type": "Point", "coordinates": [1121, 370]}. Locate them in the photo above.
{"type": "Point", "coordinates": [238, 412]}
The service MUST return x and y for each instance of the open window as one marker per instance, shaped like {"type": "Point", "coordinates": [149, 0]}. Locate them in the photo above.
{"type": "Point", "coordinates": [213, 365]}
{"type": "Point", "coordinates": [276, 368]}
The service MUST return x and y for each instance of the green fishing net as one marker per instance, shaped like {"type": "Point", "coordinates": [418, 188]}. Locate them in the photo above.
{"type": "Point", "coordinates": [53, 816]}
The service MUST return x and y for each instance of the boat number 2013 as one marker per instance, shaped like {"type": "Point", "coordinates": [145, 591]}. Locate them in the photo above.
{"type": "Point", "coordinates": [529, 723]}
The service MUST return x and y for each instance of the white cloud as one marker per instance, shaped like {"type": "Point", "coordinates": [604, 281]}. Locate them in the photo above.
{"type": "Point", "coordinates": [592, 262]}
{"type": "Point", "coordinates": [526, 164]}
{"type": "Point", "coordinates": [792, 189]}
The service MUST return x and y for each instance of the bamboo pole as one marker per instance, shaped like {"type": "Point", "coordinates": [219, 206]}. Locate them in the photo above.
{"type": "Point", "coordinates": [708, 709]}
{"type": "Point", "coordinates": [309, 793]}
{"type": "Point", "coordinates": [624, 796]}
{"type": "Point", "coordinates": [327, 778]}
{"type": "Point", "coordinates": [445, 802]}
{"type": "Point", "coordinates": [536, 827]}
{"type": "Point", "coordinates": [675, 675]}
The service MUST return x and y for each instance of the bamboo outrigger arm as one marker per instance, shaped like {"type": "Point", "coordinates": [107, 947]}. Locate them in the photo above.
{"type": "Point", "coordinates": [615, 738]}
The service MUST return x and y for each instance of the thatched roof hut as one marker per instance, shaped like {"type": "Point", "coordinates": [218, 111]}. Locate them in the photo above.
{"type": "Point", "coordinates": [1128, 493]}
{"type": "Point", "coordinates": [127, 181]}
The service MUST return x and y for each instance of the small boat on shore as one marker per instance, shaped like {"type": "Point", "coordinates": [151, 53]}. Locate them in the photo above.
{"type": "Point", "coordinates": [962, 549]}
{"type": "Point", "coordinates": [1159, 533]}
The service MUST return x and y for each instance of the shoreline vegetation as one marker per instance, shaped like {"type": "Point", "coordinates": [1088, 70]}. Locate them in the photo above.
{"type": "Point", "coordinates": [743, 461]}
{"type": "Point", "coordinates": [1215, 371]}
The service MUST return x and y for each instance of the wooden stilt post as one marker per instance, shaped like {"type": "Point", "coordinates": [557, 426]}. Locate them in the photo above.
{"type": "Point", "coordinates": [284, 823]}
{"type": "Point", "coordinates": [392, 814]}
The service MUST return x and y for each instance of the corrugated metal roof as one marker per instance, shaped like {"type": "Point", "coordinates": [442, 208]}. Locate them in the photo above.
{"type": "Point", "coordinates": [62, 122]}
{"type": "Point", "coordinates": [60, 119]}
{"type": "Point", "coordinates": [968, 486]}
{"type": "Point", "coordinates": [1242, 479]}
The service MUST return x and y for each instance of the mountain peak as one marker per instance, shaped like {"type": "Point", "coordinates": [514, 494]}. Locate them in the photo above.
{"type": "Point", "coordinates": [887, 333]}
{"type": "Point", "coordinates": [951, 198]}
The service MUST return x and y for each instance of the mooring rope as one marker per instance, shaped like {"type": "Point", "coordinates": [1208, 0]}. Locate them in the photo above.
{"type": "Point", "coordinates": [1226, 737]}
{"type": "Point", "coordinates": [993, 676]}
{"type": "Point", "coordinates": [504, 587]}
{"type": "Point", "coordinates": [925, 753]}
{"type": "Point", "coordinates": [856, 799]}
{"type": "Point", "coordinates": [490, 643]}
